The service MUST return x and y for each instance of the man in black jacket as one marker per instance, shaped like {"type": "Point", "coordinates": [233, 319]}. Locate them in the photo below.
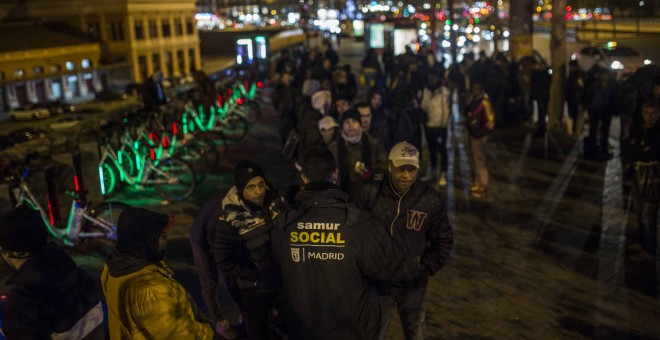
{"type": "Point", "coordinates": [50, 296]}
{"type": "Point", "coordinates": [328, 251]}
{"type": "Point", "coordinates": [242, 246]}
{"type": "Point", "coordinates": [417, 220]}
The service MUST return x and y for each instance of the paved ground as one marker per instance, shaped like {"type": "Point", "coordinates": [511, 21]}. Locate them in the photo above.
{"type": "Point", "coordinates": [542, 256]}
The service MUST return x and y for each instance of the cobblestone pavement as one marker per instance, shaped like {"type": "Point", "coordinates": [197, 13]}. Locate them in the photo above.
{"type": "Point", "coordinates": [542, 256]}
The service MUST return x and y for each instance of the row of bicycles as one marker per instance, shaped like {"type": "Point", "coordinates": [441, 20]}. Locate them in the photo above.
{"type": "Point", "coordinates": [171, 150]}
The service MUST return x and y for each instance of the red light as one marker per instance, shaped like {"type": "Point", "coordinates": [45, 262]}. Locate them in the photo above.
{"type": "Point", "coordinates": [75, 182]}
{"type": "Point", "coordinates": [165, 142]}
{"type": "Point", "coordinates": [220, 100]}
{"type": "Point", "coordinates": [239, 101]}
{"type": "Point", "coordinates": [229, 91]}
{"type": "Point", "coordinates": [260, 84]}
{"type": "Point", "coordinates": [174, 129]}
{"type": "Point", "coordinates": [569, 8]}
{"type": "Point", "coordinates": [568, 16]}
{"type": "Point", "coordinates": [152, 155]}
{"type": "Point", "coordinates": [151, 135]}
{"type": "Point", "coordinates": [50, 211]}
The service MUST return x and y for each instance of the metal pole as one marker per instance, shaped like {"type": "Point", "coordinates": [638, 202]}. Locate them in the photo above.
{"type": "Point", "coordinates": [452, 36]}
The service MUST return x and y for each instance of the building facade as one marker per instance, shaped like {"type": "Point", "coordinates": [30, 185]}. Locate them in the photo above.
{"type": "Point", "coordinates": [39, 63]}
{"type": "Point", "coordinates": [149, 34]}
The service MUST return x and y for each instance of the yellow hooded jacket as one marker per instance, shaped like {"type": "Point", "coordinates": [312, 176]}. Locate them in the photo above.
{"type": "Point", "coordinates": [150, 304]}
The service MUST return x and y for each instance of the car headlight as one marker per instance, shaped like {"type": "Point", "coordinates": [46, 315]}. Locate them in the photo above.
{"type": "Point", "coordinates": [647, 62]}
{"type": "Point", "coordinates": [616, 65]}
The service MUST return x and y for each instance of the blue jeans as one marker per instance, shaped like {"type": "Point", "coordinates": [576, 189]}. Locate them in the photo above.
{"type": "Point", "coordinates": [412, 312]}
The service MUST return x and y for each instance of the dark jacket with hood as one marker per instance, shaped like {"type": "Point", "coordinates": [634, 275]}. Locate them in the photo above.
{"type": "Point", "coordinates": [144, 300]}
{"type": "Point", "coordinates": [242, 247]}
{"type": "Point", "coordinates": [417, 220]}
{"type": "Point", "coordinates": [49, 294]}
{"type": "Point", "coordinates": [329, 250]}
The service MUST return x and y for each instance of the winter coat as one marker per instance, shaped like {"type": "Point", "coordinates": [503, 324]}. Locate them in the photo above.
{"type": "Point", "coordinates": [436, 104]}
{"type": "Point", "coordinates": [479, 113]}
{"type": "Point", "coordinates": [329, 251]}
{"type": "Point", "coordinates": [642, 145]}
{"type": "Point", "coordinates": [49, 295]}
{"type": "Point", "coordinates": [417, 220]}
{"type": "Point", "coordinates": [148, 303]}
{"type": "Point", "coordinates": [242, 241]}
{"type": "Point", "coordinates": [372, 154]}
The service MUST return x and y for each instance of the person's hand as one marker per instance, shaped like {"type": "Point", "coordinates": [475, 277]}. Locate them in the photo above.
{"type": "Point", "coordinates": [490, 125]}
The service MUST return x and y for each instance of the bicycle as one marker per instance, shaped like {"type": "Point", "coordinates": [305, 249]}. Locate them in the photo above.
{"type": "Point", "coordinates": [173, 178]}
{"type": "Point", "coordinates": [83, 223]}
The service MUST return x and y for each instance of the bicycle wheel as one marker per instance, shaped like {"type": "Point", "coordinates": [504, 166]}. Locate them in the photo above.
{"type": "Point", "coordinates": [95, 237]}
{"type": "Point", "coordinates": [108, 178]}
{"type": "Point", "coordinates": [235, 127]}
{"type": "Point", "coordinates": [128, 161]}
{"type": "Point", "coordinates": [201, 155]}
{"type": "Point", "coordinates": [174, 179]}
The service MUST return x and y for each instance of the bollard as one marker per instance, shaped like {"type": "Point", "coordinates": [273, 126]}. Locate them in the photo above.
{"type": "Point", "coordinates": [88, 175]}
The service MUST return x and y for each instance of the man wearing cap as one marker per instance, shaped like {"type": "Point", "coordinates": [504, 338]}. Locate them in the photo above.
{"type": "Point", "coordinates": [416, 217]}
{"type": "Point", "coordinates": [329, 252]}
{"type": "Point", "coordinates": [50, 297]}
{"type": "Point", "coordinates": [144, 300]}
{"type": "Point", "coordinates": [358, 155]}
{"type": "Point", "coordinates": [242, 244]}
{"type": "Point", "coordinates": [327, 128]}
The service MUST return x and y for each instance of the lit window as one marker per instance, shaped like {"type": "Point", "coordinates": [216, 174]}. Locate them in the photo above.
{"type": "Point", "coordinates": [38, 70]}
{"type": "Point", "coordinates": [86, 63]}
{"type": "Point", "coordinates": [19, 72]}
{"type": "Point", "coordinates": [70, 65]}
{"type": "Point", "coordinates": [54, 68]}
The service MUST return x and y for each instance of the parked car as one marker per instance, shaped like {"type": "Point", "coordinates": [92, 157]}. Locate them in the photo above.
{"type": "Point", "coordinates": [107, 96]}
{"type": "Point", "coordinates": [30, 111]}
{"type": "Point", "coordinates": [623, 60]}
{"type": "Point", "coordinates": [27, 134]}
{"type": "Point", "coordinates": [58, 107]}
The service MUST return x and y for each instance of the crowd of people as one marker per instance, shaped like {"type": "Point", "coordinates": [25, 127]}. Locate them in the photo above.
{"type": "Point", "coordinates": [361, 235]}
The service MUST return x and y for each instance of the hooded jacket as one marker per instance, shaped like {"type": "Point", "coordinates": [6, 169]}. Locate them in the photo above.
{"type": "Point", "coordinates": [436, 104]}
{"type": "Point", "coordinates": [329, 251]}
{"type": "Point", "coordinates": [241, 247]}
{"type": "Point", "coordinates": [49, 295]}
{"type": "Point", "coordinates": [144, 300]}
{"type": "Point", "coordinates": [417, 220]}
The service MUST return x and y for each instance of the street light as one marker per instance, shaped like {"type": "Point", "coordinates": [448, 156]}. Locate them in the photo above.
{"type": "Point", "coordinates": [639, 9]}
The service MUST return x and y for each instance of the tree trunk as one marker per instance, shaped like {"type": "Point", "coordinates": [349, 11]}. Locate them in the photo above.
{"type": "Point", "coordinates": [558, 60]}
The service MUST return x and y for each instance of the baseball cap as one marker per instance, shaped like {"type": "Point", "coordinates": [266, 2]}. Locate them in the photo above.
{"type": "Point", "coordinates": [23, 229]}
{"type": "Point", "coordinates": [404, 153]}
{"type": "Point", "coordinates": [327, 123]}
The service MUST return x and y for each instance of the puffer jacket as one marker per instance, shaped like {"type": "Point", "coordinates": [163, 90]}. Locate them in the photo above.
{"type": "Point", "coordinates": [436, 104]}
{"type": "Point", "coordinates": [417, 220]}
{"type": "Point", "coordinates": [150, 304]}
{"type": "Point", "coordinates": [241, 247]}
{"type": "Point", "coordinates": [329, 250]}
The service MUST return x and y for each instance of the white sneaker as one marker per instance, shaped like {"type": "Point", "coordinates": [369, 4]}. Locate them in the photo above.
{"type": "Point", "coordinates": [443, 180]}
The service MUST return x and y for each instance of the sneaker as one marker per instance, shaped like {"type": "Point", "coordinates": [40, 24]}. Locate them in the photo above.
{"type": "Point", "coordinates": [478, 192]}
{"type": "Point", "coordinates": [224, 329]}
{"type": "Point", "coordinates": [642, 257]}
{"type": "Point", "coordinates": [443, 180]}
